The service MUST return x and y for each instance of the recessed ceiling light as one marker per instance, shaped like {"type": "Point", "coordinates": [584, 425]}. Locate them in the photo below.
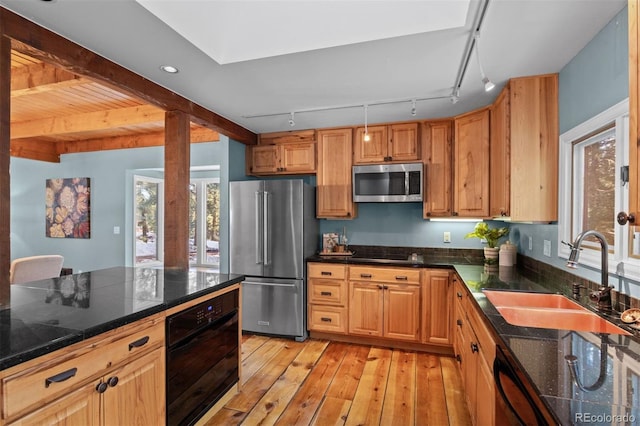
{"type": "Point", "coordinates": [169, 68]}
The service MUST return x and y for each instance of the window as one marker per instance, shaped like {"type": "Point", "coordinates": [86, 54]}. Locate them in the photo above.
{"type": "Point", "coordinates": [147, 204]}
{"type": "Point", "coordinates": [591, 190]}
{"type": "Point", "coordinates": [204, 221]}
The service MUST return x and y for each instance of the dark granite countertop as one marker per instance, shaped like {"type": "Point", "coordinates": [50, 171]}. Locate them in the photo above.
{"type": "Point", "coordinates": [50, 314]}
{"type": "Point", "coordinates": [611, 390]}
{"type": "Point", "coordinates": [541, 353]}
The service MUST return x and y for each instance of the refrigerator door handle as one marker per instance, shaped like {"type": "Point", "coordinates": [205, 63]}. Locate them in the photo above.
{"type": "Point", "coordinates": [259, 223]}
{"type": "Point", "coordinates": [265, 241]}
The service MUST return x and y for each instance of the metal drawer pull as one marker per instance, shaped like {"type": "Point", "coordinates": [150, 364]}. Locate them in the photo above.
{"type": "Point", "coordinates": [401, 277]}
{"type": "Point", "coordinates": [365, 275]}
{"type": "Point", "coordinates": [140, 342]}
{"type": "Point", "coordinates": [101, 387]}
{"type": "Point", "coordinates": [459, 322]}
{"type": "Point", "coordinates": [459, 295]}
{"type": "Point", "coordinates": [474, 347]}
{"type": "Point", "coordinates": [65, 375]}
{"type": "Point", "coordinates": [325, 319]}
{"type": "Point", "coordinates": [325, 273]}
{"type": "Point", "coordinates": [325, 293]}
{"type": "Point", "coordinates": [113, 381]}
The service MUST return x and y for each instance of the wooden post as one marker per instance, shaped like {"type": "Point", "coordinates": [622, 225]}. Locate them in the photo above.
{"type": "Point", "coordinates": [176, 190]}
{"type": "Point", "coordinates": [5, 189]}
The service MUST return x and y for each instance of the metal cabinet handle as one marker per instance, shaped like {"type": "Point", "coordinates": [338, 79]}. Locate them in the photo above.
{"type": "Point", "coordinates": [113, 381]}
{"type": "Point", "coordinates": [101, 387]}
{"type": "Point", "coordinates": [459, 295]}
{"type": "Point", "coordinates": [401, 277]}
{"type": "Point", "coordinates": [325, 273]}
{"type": "Point", "coordinates": [459, 322]}
{"type": "Point", "coordinates": [458, 358]}
{"type": "Point", "coordinates": [140, 342]}
{"type": "Point", "coordinates": [474, 347]}
{"type": "Point", "coordinates": [365, 275]}
{"type": "Point", "coordinates": [325, 319]}
{"type": "Point", "coordinates": [623, 218]}
{"type": "Point", "coordinates": [380, 287]}
{"type": "Point", "coordinates": [325, 293]}
{"type": "Point", "coordinates": [61, 377]}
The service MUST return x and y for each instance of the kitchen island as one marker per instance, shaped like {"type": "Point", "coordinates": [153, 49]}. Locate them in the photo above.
{"type": "Point", "coordinates": [65, 342]}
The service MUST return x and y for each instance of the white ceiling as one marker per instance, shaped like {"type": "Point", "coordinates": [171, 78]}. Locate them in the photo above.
{"type": "Point", "coordinates": [275, 57]}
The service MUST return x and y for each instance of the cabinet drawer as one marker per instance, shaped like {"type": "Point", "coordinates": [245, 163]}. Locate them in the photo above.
{"type": "Point", "coordinates": [389, 275]}
{"type": "Point", "coordinates": [328, 318]}
{"type": "Point", "coordinates": [332, 292]}
{"type": "Point", "coordinates": [46, 381]}
{"type": "Point", "coordinates": [327, 270]}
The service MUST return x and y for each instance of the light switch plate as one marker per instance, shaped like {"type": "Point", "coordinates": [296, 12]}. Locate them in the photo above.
{"type": "Point", "coordinates": [547, 248]}
{"type": "Point", "coordinates": [116, 230]}
{"type": "Point", "coordinates": [446, 237]}
{"type": "Point", "coordinates": [530, 243]}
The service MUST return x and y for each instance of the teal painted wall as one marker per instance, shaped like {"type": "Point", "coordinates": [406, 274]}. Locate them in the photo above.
{"type": "Point", "coordinates": [111, 191]}
{"type": "Point", "coordinates": [593, 81]}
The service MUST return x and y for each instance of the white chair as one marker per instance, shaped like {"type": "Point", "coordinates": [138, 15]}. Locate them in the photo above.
{"type": "Point", "coordinates": [35, 268]}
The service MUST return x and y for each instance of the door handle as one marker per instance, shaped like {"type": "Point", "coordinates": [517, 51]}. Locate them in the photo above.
{"type": "Point", "coordinates": [259, 223]}
{"type": "Point", "coordinates": [265, 242]}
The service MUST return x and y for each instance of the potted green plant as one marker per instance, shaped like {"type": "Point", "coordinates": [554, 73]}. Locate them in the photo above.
{"type": "Point", "coordinates": [491, 236]}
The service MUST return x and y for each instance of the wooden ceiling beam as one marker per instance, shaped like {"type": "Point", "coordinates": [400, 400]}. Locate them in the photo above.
{"type": "Point", "coordinates": [36, 150]}
{"type": "Point", "coordinates": [36, 41]}
{"type": "Point", "coordinates": [39, 78]}
{"type": "Point", "coordinates": [144, 140]}
{"type": "Point", "coordinates": [89, 121]}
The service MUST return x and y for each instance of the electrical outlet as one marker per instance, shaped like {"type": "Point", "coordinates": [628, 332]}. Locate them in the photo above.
{"type": "Point", "coordinates": [530, 243]}
{"type": "Point", "coordinates": [116, 230]}
{"type": "Point", "coordinates": [446, 237]}
{"type": "Point", "coordinates": [547, 248]}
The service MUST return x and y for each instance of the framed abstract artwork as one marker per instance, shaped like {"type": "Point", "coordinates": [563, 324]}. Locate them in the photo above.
{"type": "Point", "coordinates": [68, 208]}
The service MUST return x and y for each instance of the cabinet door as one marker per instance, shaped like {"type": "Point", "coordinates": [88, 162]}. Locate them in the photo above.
{"type": "Point", "coordinates": [402, 312]}
{"type": "Point", "coordinates": [375, 149]}
{"type": "Point", "coordinates": [77, 408]}
{"type": "Point", "coordinates": [139, 396]}
{"type": "Point", "coordinates": [500, 182]}
{"type": "Point", "coordinates": [334, 192]}
{"type": "Point", "coordinates": [438, 175]}
{"type": "Point", "coordinates": [264, 159]}
{"type": "Point", "coordinates": [471, 165]}
{"type": "Point", "coordinates": [365, 309]}
{"type": "Point", "coordinates": [470, 370]}
{"type": "Point", "coordinates": [403, 142]}
{"type": "Point", "coordinates": [298, 158]}
{"type": "Point", "coordinates": [437, 303]}
{"type": "Point", "coordinates": [485, 394]}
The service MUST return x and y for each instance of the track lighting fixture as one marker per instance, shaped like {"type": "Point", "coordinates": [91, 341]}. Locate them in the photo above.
{"type": "Point", "coordinates": [291, 121]}
{"type": "Point", "coordinates": [366, 136]}
{"type": "Point", "coordinates": [488, 84]}
{"type": "Point", "coordinates": [413, 108]}
{"type": "Point", "coordinates": [455, 96]}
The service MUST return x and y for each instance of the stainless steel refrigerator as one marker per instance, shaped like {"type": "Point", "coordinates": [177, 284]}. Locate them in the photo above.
{"type": "Point", "coordinates": [272, 230]}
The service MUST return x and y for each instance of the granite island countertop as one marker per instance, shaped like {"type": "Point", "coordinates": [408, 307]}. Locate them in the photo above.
{"type": "Point", "coordinates": [50, 314]}
{"type": "Point", "coordinates": [610, 390]}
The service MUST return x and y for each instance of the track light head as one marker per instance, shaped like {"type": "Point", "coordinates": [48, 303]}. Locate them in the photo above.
{"type": "Point", "coordinates": [454, 99]}
{"type": "Point", "coordinates": [413, 108]}
{"type": "Point", "coordinates": [291, 121]}
{"type": "Point", "coordinates": [488, 84]}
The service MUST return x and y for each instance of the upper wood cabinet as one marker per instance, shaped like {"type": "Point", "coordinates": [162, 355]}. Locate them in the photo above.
{"type": "Point", "coordinates": [524, 150]}
{"type": "Point", "coordinates": [283, 153]}
{"type": "Point", "coordinates": [471, 164]}
{"type": "Point", "coordinates": [395, 142]}
{"type": "Point", "coordinates": [436, 156]}
{"type": "Point", "coordinates": [334, 193]}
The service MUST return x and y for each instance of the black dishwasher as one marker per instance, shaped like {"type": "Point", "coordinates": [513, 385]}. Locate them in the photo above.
{"type": "Point", "coordinates": [202, 357]}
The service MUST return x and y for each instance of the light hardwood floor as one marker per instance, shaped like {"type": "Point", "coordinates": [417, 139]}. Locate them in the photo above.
{"type": "Point", "coordinates": [331, 383]}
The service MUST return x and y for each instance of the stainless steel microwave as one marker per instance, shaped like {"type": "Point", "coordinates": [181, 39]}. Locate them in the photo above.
{"type": "Point", "coordinates": [380, 183]}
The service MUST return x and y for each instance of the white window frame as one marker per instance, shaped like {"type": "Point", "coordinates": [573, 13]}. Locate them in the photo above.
{"type": "Point", "coordinates": [160, 230]}
{"type": "Point", "coordinates": [619, 114]}
{"type": "Point", "coordinates": [201, 206]}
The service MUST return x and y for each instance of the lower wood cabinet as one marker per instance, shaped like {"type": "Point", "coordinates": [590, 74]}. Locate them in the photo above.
{"type": "Point", "coordinates": [114, 379]}
{"type": "Point", "coordinates": [474, 349]}
{"type": "Point", "coordinates": [413, 305]}
{"type": "Point", "coordinates": [437, 307]}
{"type": "Point", "coordinates": [133, 394]}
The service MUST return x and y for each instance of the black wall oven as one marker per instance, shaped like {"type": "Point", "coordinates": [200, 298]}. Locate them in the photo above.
{"type": "Point", "coordinates": [202, 357]}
